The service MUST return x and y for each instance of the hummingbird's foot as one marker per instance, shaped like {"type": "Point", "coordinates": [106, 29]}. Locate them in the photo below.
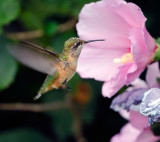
{"type": "Point", "coordinates": [37, 97]}
{"type": "Point", "coordinates": [68, 88]}
{"type": "Point", "coordinates": [65, 86]}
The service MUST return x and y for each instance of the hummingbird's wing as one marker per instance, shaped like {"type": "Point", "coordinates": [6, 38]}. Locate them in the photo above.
{"type": "Point", "coordinates": [35, 57]}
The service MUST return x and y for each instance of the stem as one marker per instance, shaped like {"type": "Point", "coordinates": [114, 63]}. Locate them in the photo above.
{"type": "Point", "coordinates": [34, 107]}
{"type": "Point", "coordinates": [67, 103]}
{"type": "Point", "coordinates": [39, 33]}
{"type": "Point", "coordinates": [77, 124]}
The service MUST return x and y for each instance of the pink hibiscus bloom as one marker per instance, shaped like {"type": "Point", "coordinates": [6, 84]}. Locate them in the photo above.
{"type": "Point", "coordinates": [133, 101]}
{"type": "Point", "coordinates": [130, 134]}
{"type": "Point", "coordinates": [137, 130]}
{"type": "Point", "coordinates": [128, 48]}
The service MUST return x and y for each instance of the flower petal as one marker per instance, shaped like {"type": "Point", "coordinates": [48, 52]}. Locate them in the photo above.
{"type": "Point", "coordinates": [150, 105]}
{"type": "Point", "coordinates": [129, 100]}
{"type": "Point", "coordinates": [95, 62]}
{"type": "Point", "coordinates": [142, 56]}
{"type": "Point", "coordinates": [152, 74]}
{"type": "Point", "coordinates": [147, 136]}
{"type": "Point", "coordinates": [138, 120]}
{"type": "Point", "coordinates": [112, 86]}
{"type": "Point", "coordinates": [139, 83]}
{"type": "Point", "coordinates": [114, 2]}
{"type": "Point", "coordinates": [132, 14]}
{"type": "Point", "coordinates": [112, 27]}
{"type": "Point", "coordinates": [127, 134]}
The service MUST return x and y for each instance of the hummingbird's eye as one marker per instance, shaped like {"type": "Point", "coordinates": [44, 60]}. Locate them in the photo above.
{"type": "Point", "coordinates": [77, 44]}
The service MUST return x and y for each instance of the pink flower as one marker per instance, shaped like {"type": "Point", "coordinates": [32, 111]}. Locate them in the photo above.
{"type": "Point", "coordinates": [128, 48]}
{"type": "Point", "coordinates": [127, 134]}
{"type": "Point", "coordinates": [130, 134]}
{"type": "Point", "coordinates": [137, 130]}
{"type": "Point", "coordinates": [129, 105]}
{"type": "Point", "coordinates": [132, 97]}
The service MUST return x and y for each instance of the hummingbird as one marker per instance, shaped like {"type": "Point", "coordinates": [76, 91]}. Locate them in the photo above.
{"type": "Point", "coordinates": [60, 68]}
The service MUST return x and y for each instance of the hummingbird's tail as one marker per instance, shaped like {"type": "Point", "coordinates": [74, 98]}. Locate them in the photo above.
{"type": "Point", "coordinates": [37, 96]}
{"type": "Point", "coordinates": [46, 86]}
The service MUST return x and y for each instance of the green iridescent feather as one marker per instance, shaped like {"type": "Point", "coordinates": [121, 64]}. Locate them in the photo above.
{"type": "Point", "coordinates": [48, 81]}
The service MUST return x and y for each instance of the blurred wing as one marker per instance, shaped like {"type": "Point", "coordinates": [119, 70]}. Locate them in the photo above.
{"type": "Point", "coordinates": [35, 57]}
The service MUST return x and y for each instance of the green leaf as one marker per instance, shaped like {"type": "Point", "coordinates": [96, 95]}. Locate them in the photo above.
{"type": "Point", "coordinates": [9, 10]}
{"type": "Point", "coordinates": [156, 128]}
{"type": "Point", "coordinates": [158, 79]}
{"type": "Point", "coordinates": [157, 54]}
{"type": "Point", "coordinates": [44, 8]}
{"type": "Point", "coordinates": [30, 20]}
{"type": "Point", "coordinates": [22, 135]}
{"type": "Point", "coordinates": [51, 28]}
{"type": "Point", "coordinates": [8, 66]}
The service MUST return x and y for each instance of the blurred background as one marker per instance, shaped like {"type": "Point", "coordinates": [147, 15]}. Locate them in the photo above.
{"type": "Point", "coordinates": [80, 116]}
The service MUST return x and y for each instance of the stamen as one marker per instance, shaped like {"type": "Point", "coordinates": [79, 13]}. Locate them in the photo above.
{"type": "Point", "coordinates": [126, 58]}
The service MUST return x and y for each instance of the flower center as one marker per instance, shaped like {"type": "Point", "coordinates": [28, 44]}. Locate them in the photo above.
{"type": "Point", "coordinates": [126, 58]}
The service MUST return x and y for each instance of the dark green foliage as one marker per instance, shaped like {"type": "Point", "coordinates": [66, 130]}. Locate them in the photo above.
{"type": "Point", "coordinates": [25, 135]}
{"type": "Point", "coordinates": [156, 128]}
{"type": "Point", "coordinates": [9, 10]}
{"type": "Point", "coordinates": [62, 123]}
{"type": "Point", "coordinates": [157, 55]}
{"type": "Point", "coordinates": [8, 65]}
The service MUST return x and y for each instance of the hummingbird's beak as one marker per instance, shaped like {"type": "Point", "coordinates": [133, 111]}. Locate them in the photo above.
{"type": "Point", "coordinates": [94, 40]}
